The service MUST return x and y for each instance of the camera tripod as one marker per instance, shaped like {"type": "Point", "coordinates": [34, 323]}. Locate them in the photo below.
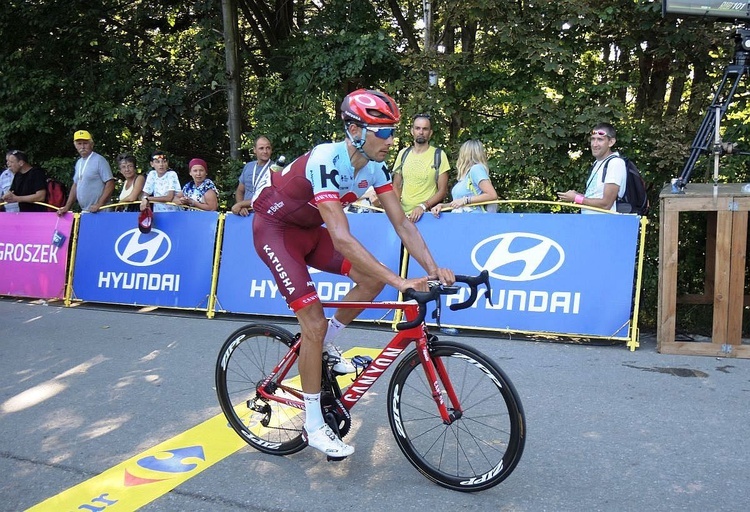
{"type": "Point", "coordinates": [707, 139]}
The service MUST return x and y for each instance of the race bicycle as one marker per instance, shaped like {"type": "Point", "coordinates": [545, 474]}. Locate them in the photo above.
{"type": "Point", "coordinates": [454, 413]}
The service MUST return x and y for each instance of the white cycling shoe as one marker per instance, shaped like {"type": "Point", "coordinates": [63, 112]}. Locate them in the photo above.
{"type": "Point", "coordinates": [333, 354]}
{"type": "Point", "coordinates": [326, 441]}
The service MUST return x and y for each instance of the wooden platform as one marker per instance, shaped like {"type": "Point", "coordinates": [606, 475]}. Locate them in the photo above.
{"type": "Point", "coordinates": [727, 208]}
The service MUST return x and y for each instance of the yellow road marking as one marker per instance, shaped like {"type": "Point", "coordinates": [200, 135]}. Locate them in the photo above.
{"type": "Point", "coordinates": [156, 471]}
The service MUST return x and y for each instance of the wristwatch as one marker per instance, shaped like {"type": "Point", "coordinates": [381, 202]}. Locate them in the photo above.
{"type": "Point", "coordinates": [423, 206]}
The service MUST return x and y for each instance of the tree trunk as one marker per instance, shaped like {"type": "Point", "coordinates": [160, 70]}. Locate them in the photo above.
{"type": "Point", "coordinates": [234, 107]}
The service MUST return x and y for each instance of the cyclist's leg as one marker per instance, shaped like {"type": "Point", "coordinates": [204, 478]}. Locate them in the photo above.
{"type": "Point", "coordinates": [284, 248]}
{"type": "Point", "coordinates": [366, 288]}
{"type": "Point", "coordinates": [327, 258]}
{"type": "Point", "coordinates": [317, 433]}
{"type": "Point", "coordinates": [312, 322]}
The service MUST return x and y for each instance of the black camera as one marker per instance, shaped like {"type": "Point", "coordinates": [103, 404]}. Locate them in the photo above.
{"type": "Point", "coordinates": [707, 8]}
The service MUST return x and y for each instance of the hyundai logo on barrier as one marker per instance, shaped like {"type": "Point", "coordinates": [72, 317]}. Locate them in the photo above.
{"type": "Point", "coordinates": [518, 256]}
{"type": "Point", "coordinates": [139, 250]}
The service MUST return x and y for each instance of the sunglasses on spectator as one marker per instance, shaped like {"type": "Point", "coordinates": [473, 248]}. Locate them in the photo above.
{"type": "Point", "coordinates": [381, 133]}
{"type": "Point", "coordinates": [416, 116]}
{"type": "Point", "coordinates": [599, 132]}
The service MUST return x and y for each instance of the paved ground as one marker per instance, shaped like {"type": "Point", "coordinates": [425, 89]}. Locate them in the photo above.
{"type": "Point", "coordinates": [83, 389]}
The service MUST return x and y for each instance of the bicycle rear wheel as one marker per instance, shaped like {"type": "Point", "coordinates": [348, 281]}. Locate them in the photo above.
{"type": "Point", "coordinates": [483, 445]}
{"type": "Point", "coordinates": [247, 357]}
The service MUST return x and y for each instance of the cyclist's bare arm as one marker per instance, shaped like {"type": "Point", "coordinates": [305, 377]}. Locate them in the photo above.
{"type": "Point", "coordinates": [398, 182]}
{"type": "Point", "coordinates": [412, 238]}
{"type": "Point", "coordinates": [355, 252]}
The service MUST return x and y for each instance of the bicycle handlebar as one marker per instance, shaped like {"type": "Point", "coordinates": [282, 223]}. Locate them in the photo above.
{"type": "Point", "coordinates": [437, 289]}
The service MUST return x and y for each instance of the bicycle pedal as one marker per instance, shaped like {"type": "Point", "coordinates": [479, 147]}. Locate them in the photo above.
{"type": "Point", "coordinates": [334, 459]}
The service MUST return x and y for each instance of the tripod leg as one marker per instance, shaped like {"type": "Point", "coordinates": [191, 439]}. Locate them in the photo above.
{"type": "Point", "coordinates": [704, 138]}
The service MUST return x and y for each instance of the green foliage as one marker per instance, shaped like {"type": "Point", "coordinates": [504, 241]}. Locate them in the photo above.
{"type": "Point", "coordinates": [226, 182]}
{"type": "Point", "coordinates": [528, 79]}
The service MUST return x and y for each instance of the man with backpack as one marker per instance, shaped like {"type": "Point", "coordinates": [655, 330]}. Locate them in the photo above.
{"type": "Point", "coordinates": [420, 172]}
{"type": "Point", "coordinates": [607, 179]}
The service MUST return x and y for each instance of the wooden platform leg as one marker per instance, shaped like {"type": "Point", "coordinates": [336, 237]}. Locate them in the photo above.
{"type": "Point", "coordinates": [721, 282]}
{"type": "Point", "coordinates": [708, 284]}
{"type": "Point", "coordinates": [737, 278]}
{"type": "Point", "coordinates": [667, 300]}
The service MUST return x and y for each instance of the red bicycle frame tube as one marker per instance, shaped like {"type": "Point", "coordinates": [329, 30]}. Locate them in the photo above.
{"type": "Point", "coordinates": [281, 370]}
{"type": "Point", "coordinates": [434, 370]}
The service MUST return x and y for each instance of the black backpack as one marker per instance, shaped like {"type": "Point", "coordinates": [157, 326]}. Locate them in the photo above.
{"type": "Point", "coordinates": [635, 198]}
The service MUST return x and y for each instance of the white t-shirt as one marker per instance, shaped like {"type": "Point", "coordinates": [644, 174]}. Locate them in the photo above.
{"type": "Point", "coordinates": [6, 180]}
{"type": "Point", "coordinates": [159, 186]}
{"type": "Point", "coordinates": [616, 174]}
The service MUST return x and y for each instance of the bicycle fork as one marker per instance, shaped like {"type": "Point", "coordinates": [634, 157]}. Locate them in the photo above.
{"type": "Point", "coordinates": [437, 375]}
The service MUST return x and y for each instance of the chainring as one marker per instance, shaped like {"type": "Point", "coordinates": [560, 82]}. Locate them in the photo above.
{"type": "Point", "coordinates": [335, 412]}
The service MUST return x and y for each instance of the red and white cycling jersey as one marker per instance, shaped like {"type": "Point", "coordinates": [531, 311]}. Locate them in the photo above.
{"type": "Point", "coordinates": [324, 174]}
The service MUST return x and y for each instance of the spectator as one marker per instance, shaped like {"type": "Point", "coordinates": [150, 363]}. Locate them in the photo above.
{"type": "Point", "coordinates": [162, 185]}
{"type": "Point", "coordinates": [473, 183]}
{"type": "Point", "coordinates": [251, 175]}
{"type": "Point", "coordinates": [601, 191]}
{"type": "Point", "coordinates": [6, 179]}
{"type": "Point", "coordinates": [29, 184]}
{"type": "Point", "coordinates": [201, 192]}
{"type": "Point", "coordinates": [420, 173]}
{"type": "Point", "coordinates": [133, 184]}
{"type": "Point", "coordinates": [93, 182]}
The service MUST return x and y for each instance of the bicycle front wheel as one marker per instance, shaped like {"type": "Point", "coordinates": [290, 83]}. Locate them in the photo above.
{"type": "Point", "coordinates": [247, 357]}
{"type": "Point", "coordinates": [483, 445]}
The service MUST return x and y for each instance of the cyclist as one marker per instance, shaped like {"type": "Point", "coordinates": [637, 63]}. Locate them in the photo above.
{"type": "Point", "coordinates": [291, 207]}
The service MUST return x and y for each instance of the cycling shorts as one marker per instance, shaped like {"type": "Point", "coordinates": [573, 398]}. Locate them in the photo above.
{"type": "Point", "coordinates": [287, 250]}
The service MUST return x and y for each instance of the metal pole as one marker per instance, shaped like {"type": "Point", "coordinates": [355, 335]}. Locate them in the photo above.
{"type": "Point", "coordinates": [427, 6]}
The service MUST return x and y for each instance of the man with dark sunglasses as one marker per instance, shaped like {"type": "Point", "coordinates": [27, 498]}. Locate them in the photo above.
{"type": "Point", "coordinates": [420, 172]}
{"type": "Point", "coordinates": [292, 205]}
{"type": "Point", "coordinates": [607, 177]}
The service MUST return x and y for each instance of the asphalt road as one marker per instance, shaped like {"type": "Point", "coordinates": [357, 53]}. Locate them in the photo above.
{"type": "Point", "coordinates": [83, 389]}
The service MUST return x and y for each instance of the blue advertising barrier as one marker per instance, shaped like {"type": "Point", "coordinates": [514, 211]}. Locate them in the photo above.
{"type": "Point", "coordinates": [556, 273]}
{"type": "Point", "coordinates": [171, 266]}
{"type": "Point", "coordinates": [245, 284]}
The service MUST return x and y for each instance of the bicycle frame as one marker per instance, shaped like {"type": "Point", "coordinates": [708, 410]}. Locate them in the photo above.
{"type": "Point", "coordinates": [434, 370]}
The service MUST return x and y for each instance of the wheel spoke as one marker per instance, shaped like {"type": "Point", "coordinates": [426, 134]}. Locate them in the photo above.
{"type": "Point", "coordinates": [246, 359]}
{"type": "Point", "coordinates": [482, 445]}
